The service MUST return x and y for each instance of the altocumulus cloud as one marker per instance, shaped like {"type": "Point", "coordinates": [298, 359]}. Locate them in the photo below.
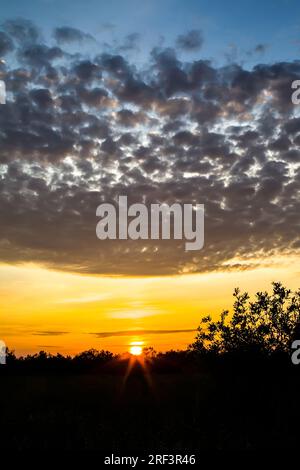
{"type": "Point", "coordinates": [191, 41]}
{"type": "Point", "coordinates": [79, 130]}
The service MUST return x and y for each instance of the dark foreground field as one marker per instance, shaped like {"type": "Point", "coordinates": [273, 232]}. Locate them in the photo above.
{"type": "Point", "coordinates": [194, 410]}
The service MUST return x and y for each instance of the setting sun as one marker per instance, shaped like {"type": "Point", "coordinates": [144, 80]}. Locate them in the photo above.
{"type": "Point", "coordinates": [136, 350]}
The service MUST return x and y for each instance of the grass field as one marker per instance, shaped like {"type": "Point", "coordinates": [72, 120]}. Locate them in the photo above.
{"type": "Point", "coordinates": [179, 411]}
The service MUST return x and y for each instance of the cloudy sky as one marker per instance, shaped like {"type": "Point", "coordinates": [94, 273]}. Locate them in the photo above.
{"type": "Point", "coordinates": [163, 102]}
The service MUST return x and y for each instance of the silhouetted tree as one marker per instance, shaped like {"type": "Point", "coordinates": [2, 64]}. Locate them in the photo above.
{"type": "Point", "coordinates": [267, 325]}
{"type": "Point", "coordinates": [93, 356]}
{"type": "Point", "coordinates": [149, 352]}
{"type": "Point", "coordinates": [10, 357]}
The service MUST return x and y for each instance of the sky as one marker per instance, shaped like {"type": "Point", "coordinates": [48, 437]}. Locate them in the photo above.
{"type": "Point", "coordinates": [164, 101]}
{"type": "Point", "coordinates": [231, 28]}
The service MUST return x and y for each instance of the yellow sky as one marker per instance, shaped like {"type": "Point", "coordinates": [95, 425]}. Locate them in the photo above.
{"type": "Point", "coordinates": [61, 312]}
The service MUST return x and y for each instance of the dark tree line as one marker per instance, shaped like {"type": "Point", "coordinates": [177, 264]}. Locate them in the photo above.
{"type": "Point", "coordinates": [43, 361]}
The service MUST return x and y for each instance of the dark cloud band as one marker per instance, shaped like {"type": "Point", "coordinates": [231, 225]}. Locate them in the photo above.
{"type": "Point", "coordinates": [108, 334]}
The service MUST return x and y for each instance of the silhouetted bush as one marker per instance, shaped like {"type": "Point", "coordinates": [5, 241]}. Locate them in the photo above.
{"type": "Point", "coordinates": [266, 326]}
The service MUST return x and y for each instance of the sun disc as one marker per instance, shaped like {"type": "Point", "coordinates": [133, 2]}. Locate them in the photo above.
{"type": "Point", "coordinates": [136, 350]}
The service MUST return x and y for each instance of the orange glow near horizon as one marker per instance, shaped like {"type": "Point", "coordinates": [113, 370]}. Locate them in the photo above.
{"type": "Point", "coordinates": [68, 313]}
